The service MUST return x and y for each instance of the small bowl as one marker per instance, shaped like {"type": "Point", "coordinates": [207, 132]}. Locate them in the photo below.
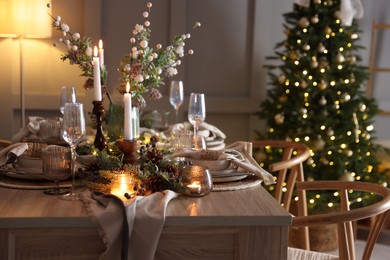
{"type": "Point", "coordinates": [212, 165]}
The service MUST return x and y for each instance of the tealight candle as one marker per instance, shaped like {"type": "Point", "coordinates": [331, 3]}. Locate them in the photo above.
{"type": "Point", "coordinates": [194, 187]}
{"type": "Point", "coordinates": [121, 185]}
{"type": "Point", "coordinates": [97, 88]}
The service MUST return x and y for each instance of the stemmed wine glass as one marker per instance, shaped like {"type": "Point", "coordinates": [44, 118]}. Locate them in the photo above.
{"type": "Point", "coordinates": [66, 98]}
{"type": "Point", "coordinates": [176, 96]}
{"type": "Point", "coordinates": [196, 112]}
{"type": "Point", "coordinates": [73, 131]}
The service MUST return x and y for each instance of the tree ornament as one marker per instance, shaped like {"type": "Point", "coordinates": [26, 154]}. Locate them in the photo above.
{"type": "Point", "coordinates": [279, 119]}
{"type": "Point", "coordinates": [306, 47]}
{"type": "Point", "coordinates": [293, 55]}
{"type": "Point", "coordinates": [324, 63]}
{"type": "Point", "coordinates": [321, 47]}
{"type": "Point", "coordinates": [322, 85]}
{"type": "Point", "coordinates": [282, 78]}
{"type": "Point", "coordinates": [349, 153]}
{"type": "Point", "coordinates": [283, 99]}
{"type": "Point", "coordinates": [310, 161]}
{"type": "Point", "coordinates": [340, 58]}
{"type": "Point", "coordinates": [352, 78]}
{"type": "Point", "coordinates": [346, 97]}
{"type": "Point", "coordinates": [362, 107]}
{"type": "Point", "coordinates": [314, 63]}
{"type": "Point", "coordinates": [330, 132]}
{"type": "Point", "coordinates": [337, 15]}
{"type": "Point", "coordinates": [303, 111]}
{"type": "Point", "coordinates": [317, 2]}
{"type": "Point", "coordinates": [315, 19]}
{"type": "Point", "coordinates": [319, 144]}
{"type": "Point", "coordinates": [368, 136]}
{"type": "Point", "coordinates": [324, 161]}
{"type": "Point", "coordinates": [347, 176]}
{"type": "Point", "coordinates": [304, 84]}
{"type": "Point", "coordinates": [328, 30]}
{"type": "Point", "coordinates": [303, 22]}
{"type": "Point", "coordinates": [352, 59]}
{"type": "Point", "coordinates": [322, 101]}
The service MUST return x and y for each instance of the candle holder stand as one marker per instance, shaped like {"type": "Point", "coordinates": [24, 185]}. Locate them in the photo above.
{"type": "Point", "coordinates": [129, 149]}
{"type": "Point", "coordinates": [98, 111]}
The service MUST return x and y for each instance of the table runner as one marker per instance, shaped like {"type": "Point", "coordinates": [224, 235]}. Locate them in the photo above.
{"type": "Point", "coordinates": [131, 229]}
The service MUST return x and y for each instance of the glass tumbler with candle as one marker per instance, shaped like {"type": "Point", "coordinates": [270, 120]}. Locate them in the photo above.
{"type": "Point", "coordinates": [197, 180]}
{"type": "Point", "coordinates": [122, 186]}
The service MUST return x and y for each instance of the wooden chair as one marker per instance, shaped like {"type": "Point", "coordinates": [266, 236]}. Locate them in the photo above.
{"type": "Point", "coordinates": [290, 171]}
{"type": "Point", "coordinates": [344, 218]}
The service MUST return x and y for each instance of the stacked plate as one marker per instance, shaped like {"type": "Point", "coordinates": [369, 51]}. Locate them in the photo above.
{"type": "Point", "coordinates": [222, 170]}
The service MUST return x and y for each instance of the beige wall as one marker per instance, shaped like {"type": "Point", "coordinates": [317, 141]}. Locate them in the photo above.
{"type": "Point", "coordinates": [230, 50]}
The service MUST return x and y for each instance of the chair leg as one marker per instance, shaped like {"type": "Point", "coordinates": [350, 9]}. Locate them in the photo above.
{"type": "Point", "coordinates": [373, 235]}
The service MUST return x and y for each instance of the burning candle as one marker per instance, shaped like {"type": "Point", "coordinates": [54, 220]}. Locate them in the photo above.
{"type": "Point", "coordinates": [101, 53]}
{"type": "Point", "coordinates": [97, 88]}
{"type": "Point", "coordinates": [194, 187]}
{"type": "Point", "coordinates": [122, 184]}
{"type": "Point", "coordinates": [128, 129]}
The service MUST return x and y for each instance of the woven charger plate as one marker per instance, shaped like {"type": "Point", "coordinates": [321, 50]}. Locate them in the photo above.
{"type": "Point", "coordinates": [248, 182]}
{"type": "Point", "coordinates": [14, 183]}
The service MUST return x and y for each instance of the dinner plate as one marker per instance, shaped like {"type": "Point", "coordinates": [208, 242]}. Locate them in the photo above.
{"type": "Point", "coordinates": [228, 178]}
{"type": "Point", "coordinates": [21, 175]}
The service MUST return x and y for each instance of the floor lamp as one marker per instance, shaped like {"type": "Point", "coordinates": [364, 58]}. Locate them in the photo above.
{"type": "Point", "coordinates": [24, 19]}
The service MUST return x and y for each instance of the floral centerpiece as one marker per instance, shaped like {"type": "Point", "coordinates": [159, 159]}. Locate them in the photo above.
{"type": "Point", "coordinates": [145, 68]}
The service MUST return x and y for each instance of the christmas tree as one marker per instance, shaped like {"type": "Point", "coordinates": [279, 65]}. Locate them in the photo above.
{"type": "Point", "coordinates": [317, 97]}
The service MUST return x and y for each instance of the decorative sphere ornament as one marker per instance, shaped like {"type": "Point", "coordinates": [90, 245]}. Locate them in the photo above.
{"type": "Point", "coordinates": [317, 2]}
{"type": "Point", "coordinates": [279, 119]}
{"type": "Point", "coordinates": [283, 99]}
{"type": "Point", "coordinates": [368, 136]}
{"type": "Point", "coordinates": [293, 55]}
{"type": "Point", "coordinates": [315, 19]}
{"type": "Point", "coordinates": [321, 47]}
{"type": "Point", "coordinates": [314, 64]}
{"type": "Point", "coordinates": [303, 22]}
{"type": "Point", "coordinates": [303, 111]}
{"type": "Point", "coordinates": [282, 78]}
{"type": "Point", "coordinates": [362, 107]}
{"type": "Point", "coordinates": [349, 153]}
{"type": "Point", "coordinates": [310, 161]}
{"type": "Point", "coordinates": [337, 14]}
{"type": "Point", "coordinates": [328, 30]}
{"type": "Point", "coordinates": [330, 132]}
{"type": "Point", "coordinates": [306, 47]}
{"type": "Point", "coordinates": [322, 101]}
{"type": "Point", "coordinates": [322, 85]}
{"type": "Point", "coordinates": [347, 176]}
{"type": "Point", "coordinates": [340, 58]}
{"type": "Point", "coordinates": [346, 97]}
{"type": "Point", "coordinates": [319, 144]}
{"type": "Point", "coordinates": [352, 78]}
{"type": "Point", "coordinates": [352, 59]}
{"type": "Point", "coordinates": [304, 84]}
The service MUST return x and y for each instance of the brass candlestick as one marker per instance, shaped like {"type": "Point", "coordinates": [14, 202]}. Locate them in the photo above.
{"type": "Point", "coordinates": [98, 111]}
{"type": "Point", "coordinates": [129, 149]}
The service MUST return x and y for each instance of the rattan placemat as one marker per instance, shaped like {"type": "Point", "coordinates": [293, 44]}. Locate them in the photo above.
{"type": "Point", "coordinates": [14, 183]}
{"type": "Point", "coordinates": [248, 182]}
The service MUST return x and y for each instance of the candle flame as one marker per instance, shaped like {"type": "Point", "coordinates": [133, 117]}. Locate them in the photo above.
{"type": "Point", "coordinates": [100, 44]}
{"type": "Point", "coordinates": [127, 87]}
{"type": "Point", "coordinates": [95, 51]}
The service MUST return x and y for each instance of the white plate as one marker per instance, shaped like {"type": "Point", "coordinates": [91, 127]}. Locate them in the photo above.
{"type": "Point", "coordinates": [21, 175]}
{"type": "Point", "coordinates": [228, 179]}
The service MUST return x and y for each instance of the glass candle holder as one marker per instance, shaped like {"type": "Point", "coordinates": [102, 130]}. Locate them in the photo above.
{"type": "Point", "coordinates": [197, 181]}
{"type": "Point", "coordinates": [122, 186]}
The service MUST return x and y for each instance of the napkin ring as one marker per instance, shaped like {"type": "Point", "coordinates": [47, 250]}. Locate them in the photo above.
{"type": "Point", "coordinates": [209, 154]}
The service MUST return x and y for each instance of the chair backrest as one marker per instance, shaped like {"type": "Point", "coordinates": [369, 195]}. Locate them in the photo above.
{"type": "Point", "coordinates": [289, 171]}
{"type": "Point", "coordinates": [345, 216]}
{"type": "Point", "coordinates": [4, 143]}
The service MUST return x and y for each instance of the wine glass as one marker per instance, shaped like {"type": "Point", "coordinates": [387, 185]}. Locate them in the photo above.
{"type": "Point", "coordinates": [66, 98]}
{"type": "Point", "coordinates": [176, 96]}
{"type": "Point", "coordinates": [196, 112]}
{"type": "Point", "coordinates": [56, 167]}
{"type": "Point", "coordinates": [73, 131]}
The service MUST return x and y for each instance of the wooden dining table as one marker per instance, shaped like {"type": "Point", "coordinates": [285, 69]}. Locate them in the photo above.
{"type": "Point", "coordinates": [240, 224]}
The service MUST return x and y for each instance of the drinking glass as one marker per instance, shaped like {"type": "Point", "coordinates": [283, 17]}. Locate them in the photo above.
{"type": "Point", "coordinates": [176, 96]}
{"type": "Point", "coordinates": [65, 97]}
{"type": "Point", "coordinates": [196, 112]}
{"type": "Point", "coordinates": [56, 167]}
{"type": "Point", "coordinates": [73, 131]}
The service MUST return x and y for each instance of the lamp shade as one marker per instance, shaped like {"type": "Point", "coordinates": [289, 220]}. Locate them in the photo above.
{"type": "Point", "coordinates": [26, 18]}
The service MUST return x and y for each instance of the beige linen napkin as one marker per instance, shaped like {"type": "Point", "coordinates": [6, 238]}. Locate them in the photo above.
{"type": "Point", "coordinates": [17, 149]}
{"type": "Point", "coordinates": [131, 229]}
{"type": "Point", "coordinates": [239, 154]}
{"type": "Point", "coordinates": [209, 132]}
{"type": "Point", "coordinates": [32, 128]}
